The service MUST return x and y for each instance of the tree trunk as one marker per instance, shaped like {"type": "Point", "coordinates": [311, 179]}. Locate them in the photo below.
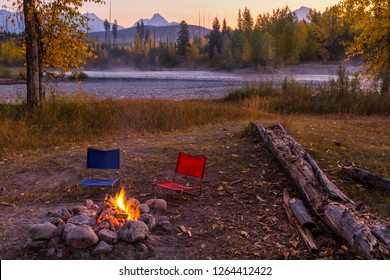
{"type": "Point", "coordinates": [326, 201]}
{"type": "Point", "coordinates": [367, 178]}
{"type": "Point", "coordinates": [33, 82]}
{"type": "Point", "coordinates": [385, 85]}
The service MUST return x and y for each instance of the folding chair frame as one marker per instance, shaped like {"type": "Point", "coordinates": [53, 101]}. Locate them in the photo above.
{"type": "Point", "coordinates": [93, 163]}
{"type": "Point", "coordinates": [171, 185]}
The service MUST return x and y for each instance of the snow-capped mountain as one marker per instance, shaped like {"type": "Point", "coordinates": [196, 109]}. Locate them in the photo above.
{"type": "Point", "coordinates": [11, 22]}
{"type": "Point", "coordinates": [303, 13]}
{"type": "Point", "coordinates": [96, 24]}
{"type": "Point", "coordinates": [156, 20]}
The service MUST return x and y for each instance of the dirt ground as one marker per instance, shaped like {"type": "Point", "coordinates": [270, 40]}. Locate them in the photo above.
{"type": "Point", "coordinates": [238, 216]}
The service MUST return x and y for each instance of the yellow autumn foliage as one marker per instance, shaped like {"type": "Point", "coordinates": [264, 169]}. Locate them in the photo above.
{"type": "Point", "coordinates": [370, 20]}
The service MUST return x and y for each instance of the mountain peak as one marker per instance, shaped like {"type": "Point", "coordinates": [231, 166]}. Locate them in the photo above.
{"type": "Point", "coordinates": [156, 20]}
{"type": "Point", "coordinates": [302, 13]}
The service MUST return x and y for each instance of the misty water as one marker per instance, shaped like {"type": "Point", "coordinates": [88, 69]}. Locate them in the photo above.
{"type": "Point", "coordinates": [175, 84]}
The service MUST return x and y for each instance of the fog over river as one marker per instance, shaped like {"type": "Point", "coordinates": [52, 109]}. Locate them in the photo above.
{"type": "Point", "coordinates": [173, 84]}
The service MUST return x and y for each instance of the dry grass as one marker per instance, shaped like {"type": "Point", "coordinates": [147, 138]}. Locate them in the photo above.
{"type": "Point", "coordinates": [80, 118]}
{"type": "Point", "coordinates": [292, 97]}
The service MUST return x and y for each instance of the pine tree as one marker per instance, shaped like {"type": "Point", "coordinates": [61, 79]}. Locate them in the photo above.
{"type": "Point", "coordinates": [183, 38]}
{"type": "Point", "coordinates": [115, 31]}
{"type": "Point", "coordinates": [215, 40]}
{"type": "Point", "coordinates": [107, 26]}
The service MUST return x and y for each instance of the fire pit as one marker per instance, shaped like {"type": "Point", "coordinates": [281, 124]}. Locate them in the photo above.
{"type": "Point", "coordinates": [95, 229]}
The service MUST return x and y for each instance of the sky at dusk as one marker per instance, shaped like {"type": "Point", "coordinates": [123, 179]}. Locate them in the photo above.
{"type": "Point", "coordinates": [127, 12]}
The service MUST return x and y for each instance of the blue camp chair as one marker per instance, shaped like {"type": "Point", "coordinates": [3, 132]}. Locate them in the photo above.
{"type": "Point", "coordinates": [101, 161]}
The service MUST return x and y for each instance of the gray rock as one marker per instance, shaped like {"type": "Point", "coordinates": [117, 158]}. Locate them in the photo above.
{"type": "Point", "coordinates": [102, 248]}
{"type": "Point", "coordinates": [60, 228]}
{"type": "Point", "coordinates": [108, 236]}
{"type": "Point", "coordinates": [144, 208]}
{"type": "Point", "coordinates": [60, 253]}
{"type": "Point", "coordinates": [164, 224]}
{"type": "Point", "coordinates": [65, 213]}
{"type": "Point", "coordinates": [78, 209]}
{"type": "Point", "coordinates": [68, 228]}
{"type": "Point", "coordinates": [51, 252]}
{"type": "Point", "coordinates": [83, 218]}
{"type": "Point", "coordinates": [36, 244]}
{"type": "Point", "coordinates": [55, 220]}
{"type": "Point", "coordinates": [88, 203]}
{"type": "Point", "coordinates": [95, 207]}
{"type": "Point", "coordinates": [42, 231]}
{"type": "Point", "coordinates": [58, 215]}
{"type": "Point", "coordinates": [157, 206]}
{"type": "Point", "coordinates": [149, 220]}
{"type": "Point", "coordinates": [133, 231]}
{"type": "Point", "coordinates": [141, 250]}
{"type": "Point", "coordinates": [81, 237]}
{"type": "Point", "coordinates": [55, 241]}
{"type": "Point", "coordinates": [133, 201]}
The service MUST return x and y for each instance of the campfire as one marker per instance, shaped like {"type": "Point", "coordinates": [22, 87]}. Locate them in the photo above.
{"type": "Point", "coordinates": [116, 211]}
{"type": "Point", "coordinates": [98, 227]}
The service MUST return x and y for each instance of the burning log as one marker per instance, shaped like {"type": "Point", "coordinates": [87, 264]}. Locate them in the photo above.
{"type": "Point", "coordinates": [121, 216]}
{"type": "Point", "coordinates": [367, 178]}
{"type": "Point", "coordinates": [326, 201]}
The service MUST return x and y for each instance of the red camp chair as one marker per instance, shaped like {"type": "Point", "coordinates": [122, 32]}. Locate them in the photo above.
{"type": "Point", "coordinates": [189, 166]}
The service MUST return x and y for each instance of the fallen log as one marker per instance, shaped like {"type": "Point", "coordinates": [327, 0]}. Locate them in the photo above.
{"type": "Point", "coordinates": [325, 200]}
{"type": "Point", "coordinates": [304, 231]}
{"type": "Point", "coordinates": [303, 216]}
{"type": "Point", "coordinates": [367, 178]}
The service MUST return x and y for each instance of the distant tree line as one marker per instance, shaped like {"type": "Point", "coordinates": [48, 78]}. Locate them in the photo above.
{"type": "Point", "coordinates": [272, 39]}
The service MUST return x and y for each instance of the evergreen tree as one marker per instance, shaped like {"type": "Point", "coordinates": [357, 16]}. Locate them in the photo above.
{"type": "Point", "coordinates": [107, 26]}
{"type": "Point", "coordinates": [239, 21]}
{"type": "Point", "coordinates": [138, 28]}
{"type": "Point", "coordinates": [215, 39]}
{"type": "Point", "coordinates": [247, 21]}
{"type": "Point", "coordinates": [183, 38]}
{"type": "Point", "coordinates": [115, 31]}
{"type": "Point", "coordinates": [141, 30]}
{"type": "Point", "coordinates": [147, 35]}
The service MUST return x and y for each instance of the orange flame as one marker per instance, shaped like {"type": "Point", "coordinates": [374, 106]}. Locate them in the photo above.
{"type": "Point", "coordinates": [119, 209]}
{"type": "Point", "coordinates": [129, 207]}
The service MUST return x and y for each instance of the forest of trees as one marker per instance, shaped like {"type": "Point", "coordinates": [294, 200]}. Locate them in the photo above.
{"type": "Point", "coordinates": [270, 39]}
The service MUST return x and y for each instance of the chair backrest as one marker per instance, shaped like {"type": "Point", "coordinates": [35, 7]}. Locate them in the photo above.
{"type": "Point", "coordinates": [190, 165]}
{"type": "Point", "coordinates": [99, 159]}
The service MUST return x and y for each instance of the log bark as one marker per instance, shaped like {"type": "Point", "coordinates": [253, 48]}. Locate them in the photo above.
{"type": "Point", "coordinates": [367, 178]}
{"type": "Point", "coordinates": [304, 231]}
{"type": "Point", "coordinates": [303, 216]}
{"type": "Point", "coordinates": [34, 85]}
{"type": "Point", "coordinates": [325, 200]}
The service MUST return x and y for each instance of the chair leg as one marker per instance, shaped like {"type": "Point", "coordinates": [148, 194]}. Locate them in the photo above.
{"type": "Point", "coordinates": [77, 192]}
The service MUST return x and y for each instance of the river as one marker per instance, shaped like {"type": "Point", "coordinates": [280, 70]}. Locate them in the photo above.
{"type": "Point", "coordinates": [175, 84]}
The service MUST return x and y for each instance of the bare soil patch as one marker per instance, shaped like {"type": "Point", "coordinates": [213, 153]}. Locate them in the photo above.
{"type": "Point", "coordinates": [238, 216]}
